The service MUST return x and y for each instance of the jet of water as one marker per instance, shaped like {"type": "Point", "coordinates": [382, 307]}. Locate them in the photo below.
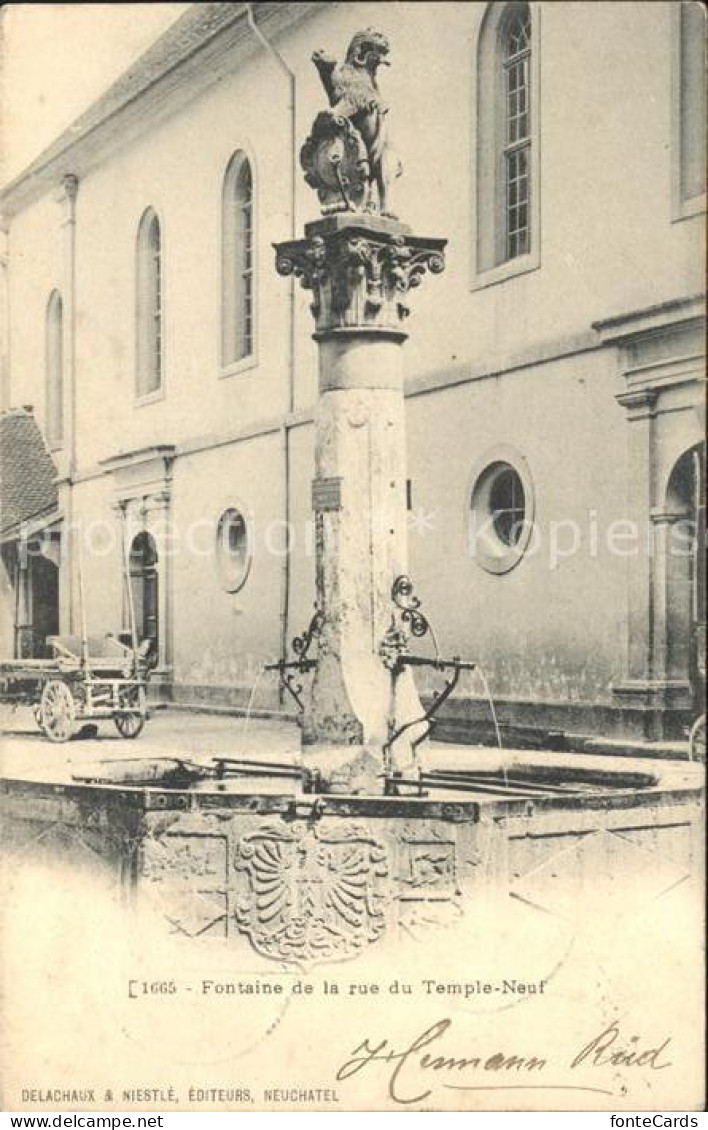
{"type": "Point", "coordinates": [485, 685]}
{"type": "Point", "coordinates": [251, 698]}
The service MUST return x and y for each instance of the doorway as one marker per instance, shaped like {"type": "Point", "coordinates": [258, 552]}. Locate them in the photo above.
{"type": "Point", "coordinates": [685, 571]}
{"type": "Point", "coordinates": [144, 587]}
{"type": "Point", "coordinates": [36, 604]}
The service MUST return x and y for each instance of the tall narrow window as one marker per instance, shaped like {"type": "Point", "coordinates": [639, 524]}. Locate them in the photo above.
{"type": "Point", "coordinates": [237, 262]}
{"type": "Point", "coordinates": [507, 151]}
{"type": "Point", "coordinates": [54, 370]}
{"type": "Point", "coordinates": [517, 142]}
{"type": "Point", "coordinates": [149, 305]}
{"type": "Point", "coordinates": [691, 106]}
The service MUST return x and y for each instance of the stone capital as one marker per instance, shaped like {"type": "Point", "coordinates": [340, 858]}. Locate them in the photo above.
{"type": "Point", "coordinates": [360, 272]}
{"type": "Point", "coordinates": [70, 186]}
{"type": "Point", "coordinates": [638, 402]}
{"type": "Point", "coordinates": [66, 194]}
{"type": "Point", "coordinates": [661, 517]}
{"type": "Point", "coordinates": [160, 500]}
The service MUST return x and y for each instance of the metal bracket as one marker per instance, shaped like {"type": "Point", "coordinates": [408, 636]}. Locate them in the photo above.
{"type": "Point", "coordinates": [409, 605]}
{"type": "Point", "coordinates": [456, 666]}
{"type": "Point", "coordinates": [301, 644]}
{"type": "Point", "coordinates": [396, 656]}
{"type": "Point", "coordinates": [410, 622]}
{"type": "Point", "coordinates": [288, 668]}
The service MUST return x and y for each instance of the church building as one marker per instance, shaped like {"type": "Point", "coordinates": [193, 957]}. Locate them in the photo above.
{"type": "Point", "coordinates": [159, 378]}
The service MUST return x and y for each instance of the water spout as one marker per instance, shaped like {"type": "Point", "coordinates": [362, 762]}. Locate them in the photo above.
{"type": "Point", "coordinates": [485, 684]}
{"type": "Point", "coordinates": [251, 698]}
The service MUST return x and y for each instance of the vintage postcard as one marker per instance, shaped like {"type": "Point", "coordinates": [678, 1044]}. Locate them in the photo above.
{"type": "Point", "coordinates": [352, 582]}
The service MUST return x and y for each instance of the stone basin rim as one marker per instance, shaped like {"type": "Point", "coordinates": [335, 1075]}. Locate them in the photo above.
{"type": "Point", "coordinates": [299, 806]}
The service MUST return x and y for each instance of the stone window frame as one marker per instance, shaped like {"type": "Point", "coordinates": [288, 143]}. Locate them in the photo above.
{"type": "Point", "coordinates": [235, 583]}
{"type": "Point", "coordinates": [496, 557]}
{"type": "Point", "coordinates": [490, 264]}
{"type": "Point", "coordinates": [148, 311]}
{"type": "Point", "coordinates": [682, 206]}
{"type": "Point", "coordinates": [231, 365]}
{"type": "Point", "coordinates": [54, 370]}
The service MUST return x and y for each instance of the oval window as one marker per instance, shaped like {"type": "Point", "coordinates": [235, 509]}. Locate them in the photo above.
{"type": "Point", "coordinates": [501, 516]}
{"type": "Point", "coordinates": [233, 550]}
{"type": "Point", "coordinates": [506, 505]}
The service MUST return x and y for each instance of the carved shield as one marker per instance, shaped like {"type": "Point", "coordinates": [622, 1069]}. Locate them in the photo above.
{"type": "Point", "coordinates": [335, 163]}
{"type": "Point", "coordinates": [306, 895]}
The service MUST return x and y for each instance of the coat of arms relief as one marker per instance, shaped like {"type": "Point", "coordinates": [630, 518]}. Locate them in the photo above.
{"type": "Point", "coordinates": [311, 894]}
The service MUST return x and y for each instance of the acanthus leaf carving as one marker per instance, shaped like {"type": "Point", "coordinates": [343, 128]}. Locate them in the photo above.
{"type": "Point", "coordinates": [359, 277]}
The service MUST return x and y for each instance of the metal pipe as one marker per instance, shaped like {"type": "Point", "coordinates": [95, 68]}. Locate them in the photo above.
{"type": "Point", "coordinates": [70, 186]}
{"type": "Point", "coordinates": [18, 582]}
{"type": "Point", "coordinates": [436, 664]}
{"type": "Point", "coordinates": [290, 75]}
{"type": "Point", "coordinates": [82, 605]}
{"type": "Point", "coordinates": [285, 572]}
{"type": "Point", "coordinates": [285, 429]}
{"type": "Point", "coordinates": [127, 582]}
{"type": "Point", "coordinates": [500, 781]}
{"type": "Point", "coordinates": [5, 381]}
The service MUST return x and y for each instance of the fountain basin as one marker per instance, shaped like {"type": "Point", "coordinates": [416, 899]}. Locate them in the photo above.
{"type": "Point", "coordinates": [303, 879]}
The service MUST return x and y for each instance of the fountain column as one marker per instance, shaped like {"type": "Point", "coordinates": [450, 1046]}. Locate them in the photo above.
{"type": "Point", "coordinates": [360, 265]}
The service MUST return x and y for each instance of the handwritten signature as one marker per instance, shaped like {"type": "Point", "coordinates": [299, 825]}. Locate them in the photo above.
{"type": "Point", "coordinates": [405, 1086]}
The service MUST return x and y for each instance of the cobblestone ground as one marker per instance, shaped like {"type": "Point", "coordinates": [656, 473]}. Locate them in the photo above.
{"type": "Point", "coordinates": [168, 733]}
{"type": "Point", "coordinates": [199, 737]}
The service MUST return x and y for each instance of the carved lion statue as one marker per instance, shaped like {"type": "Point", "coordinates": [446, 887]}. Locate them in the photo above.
{"type": "Point", "coordinates": [356, 106]}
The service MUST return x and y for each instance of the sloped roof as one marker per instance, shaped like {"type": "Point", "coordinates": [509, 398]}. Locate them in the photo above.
{"type": "Point", "coordinates": [190, 32]}
{"type": "Point", "coordinates": [190, 45]}
{"type": "Point", "coordinates": [27, 472]}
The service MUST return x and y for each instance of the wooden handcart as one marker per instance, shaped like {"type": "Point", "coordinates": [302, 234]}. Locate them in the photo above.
{"type": "Point", "coordinates": [85, 680]}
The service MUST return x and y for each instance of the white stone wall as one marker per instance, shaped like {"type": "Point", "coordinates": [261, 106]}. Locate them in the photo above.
{"type": "Point", "coordinates": [553, 626]}
{"type": "Point", "coordinates": [608, 246]}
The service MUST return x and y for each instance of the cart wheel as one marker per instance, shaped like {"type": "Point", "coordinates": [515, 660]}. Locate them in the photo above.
{"type": "Point", "coordinates": [57, 711]}
{"type": "Point", "coordinates": [130, 725]}
{"type": "Point", "coordinates": [697, 739]}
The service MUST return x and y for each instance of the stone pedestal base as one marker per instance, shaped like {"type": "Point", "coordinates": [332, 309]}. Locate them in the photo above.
{"type": "Point", "coordinates": [348, 770]}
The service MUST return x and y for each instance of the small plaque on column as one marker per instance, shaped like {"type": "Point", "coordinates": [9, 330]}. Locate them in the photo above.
{"type": "Point", "coordinates": [327, 494]}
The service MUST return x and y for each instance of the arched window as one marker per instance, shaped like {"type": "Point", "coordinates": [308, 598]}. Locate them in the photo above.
{"type": "Point", "coordinates": [689, 109]}
{"type": "Point", "coordinates": [54, 341]}
{"type": "Point", "coordinates": [149, 305]}
{"type": "Point", "coordinates": [516, 79]}
{"type": "Point", "coordinates": [507, 142]}
{"type": "Point", "coordinates": [237, 261]}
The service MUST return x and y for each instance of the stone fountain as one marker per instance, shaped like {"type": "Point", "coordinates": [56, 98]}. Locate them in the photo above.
{"type": "Point", "coordinates": [360, 264]}
{"type": "Point", "coordinates": [317, 860]}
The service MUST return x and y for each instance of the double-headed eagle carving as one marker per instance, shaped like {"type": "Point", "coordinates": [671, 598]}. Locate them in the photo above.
{"type": "Point", "coordinates": [347, 156]}
{"type": "Point", "coordinates": [311, 894]}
